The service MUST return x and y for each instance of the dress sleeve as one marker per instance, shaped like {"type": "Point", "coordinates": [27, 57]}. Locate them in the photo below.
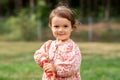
{"type": "Point", "coordinates": [71, 64]}
{"type": "Point", "coordinates": [43, 49]}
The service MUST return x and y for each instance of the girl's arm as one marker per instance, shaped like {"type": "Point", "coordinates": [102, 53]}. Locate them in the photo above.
{"type": "Point", "coordinates": [42, 52]}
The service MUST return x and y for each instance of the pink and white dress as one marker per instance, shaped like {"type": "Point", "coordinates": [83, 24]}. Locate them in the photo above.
{"type": "Point", "coordinates": [66, 56]}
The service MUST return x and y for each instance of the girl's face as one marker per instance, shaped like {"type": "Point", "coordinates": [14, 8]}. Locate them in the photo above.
{"type": "Point", "coordinates": [61, 28]}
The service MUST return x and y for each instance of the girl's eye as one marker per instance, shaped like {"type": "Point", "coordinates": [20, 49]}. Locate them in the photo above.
{"type": "Point", "coordinates": [65, 26]}
{"type": "Point", "coordinates": [56, 26]}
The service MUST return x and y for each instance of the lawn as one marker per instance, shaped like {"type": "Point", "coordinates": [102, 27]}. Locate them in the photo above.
{"type": "Point", "coordinates": [100, 61]}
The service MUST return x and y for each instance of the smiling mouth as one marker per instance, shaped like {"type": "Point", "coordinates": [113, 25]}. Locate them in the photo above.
{"type": "Point", "coordinates": [60, 34]}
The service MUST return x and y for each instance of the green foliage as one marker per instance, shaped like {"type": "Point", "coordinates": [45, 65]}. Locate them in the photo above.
{"type": "Point", "coordinates": [42, 9]}
{"type": "Point", "coordinates": [9, 30]}
{"type": "Point", "coordinates": [42, 12]}
{"type": "Point", "coordinates": [101, 12]}
{"type": "Point", "coordinates": [111, 35]}
{"type": "Point", "coordinates": [3, 28]}
{"type": "Point", "coordinates": [80, 36]}
{"type": "Point", "coordinates": [24, 25]}
{"type": "Point", "coordinates": [21, 27]}
{"type": "Point", "coordinates": [28, 26]}
{"type": "Point", "coordinates": [3, 1]}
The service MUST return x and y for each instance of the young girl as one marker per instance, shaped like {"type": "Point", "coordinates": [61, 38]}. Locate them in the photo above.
{"type": "Point", "coordinates": [63, 54]}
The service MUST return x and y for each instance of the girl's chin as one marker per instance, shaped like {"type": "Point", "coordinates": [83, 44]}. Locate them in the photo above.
{"type": "Point", "coordinates": [61, 39]}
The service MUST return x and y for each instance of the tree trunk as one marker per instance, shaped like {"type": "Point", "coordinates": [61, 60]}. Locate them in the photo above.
{"type": "Point", "coordinates": [95, 8]}
{"type": "Point", "coordinates": [32, 6]}
{"type": "Point", "coordinates": [18, 5]}
{"type": "Point", "coordinates": [81, 6]}
{"type": "Point", "coordinates": [0, 10]}
{"type": "Point", "coordinates": [107, 10]}
{"type": "Point", "coordinates": [88, 8]}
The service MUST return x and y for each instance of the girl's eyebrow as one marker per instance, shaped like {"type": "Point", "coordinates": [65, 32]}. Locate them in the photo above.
{"type": "Point", "coordinates": [55, 25]}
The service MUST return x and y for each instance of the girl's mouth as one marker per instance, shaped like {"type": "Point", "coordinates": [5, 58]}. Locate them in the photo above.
{"type": "Point", "coordinates": [60, 34]}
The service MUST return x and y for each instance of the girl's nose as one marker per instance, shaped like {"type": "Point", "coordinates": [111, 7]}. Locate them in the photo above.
{"type": "Point", "coordinates": [60, 29]}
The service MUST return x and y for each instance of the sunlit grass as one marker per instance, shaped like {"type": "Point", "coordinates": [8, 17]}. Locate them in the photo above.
{"type": "Point", "coordinates": [107, 50]}
{"type": "Point", "coordinates": [16, 61]}
{"type": "Point", "coordinates": [18, 47]}
{"type": "Point", "coordinates": [100, 61]}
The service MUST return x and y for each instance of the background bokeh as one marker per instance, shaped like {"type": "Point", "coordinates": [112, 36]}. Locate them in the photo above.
{"type": "Point", "coordinates": [24, 28]}
{"type": "Point", "coordinates": [27, 20]}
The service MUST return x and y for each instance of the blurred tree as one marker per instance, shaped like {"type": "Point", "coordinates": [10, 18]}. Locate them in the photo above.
{"type": "Point", "coordinates": [81, 7]}
{"type": "Point", "coordinates": [3, 6]}
{"type": "Point", "coordinates": [107, 10]}
{"type": "Point", "coordinates": [18, 5]}
{"type": "Point", "coordinates": [32, 5]}
{"type": "Point", "coordinates": [88, 8]}
{"type": "Point", "coordinates": [96, 8]}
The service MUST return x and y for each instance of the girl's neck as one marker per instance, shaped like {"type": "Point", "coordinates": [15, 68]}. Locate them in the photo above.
{"type": "Point", "coordinates": [62, 41]}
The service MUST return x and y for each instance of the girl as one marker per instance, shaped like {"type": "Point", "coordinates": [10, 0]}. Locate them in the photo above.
{"type": "Point", "coordinates": [63, 54]}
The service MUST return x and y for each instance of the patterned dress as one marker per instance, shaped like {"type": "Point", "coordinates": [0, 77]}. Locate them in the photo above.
{"type": "Point", "coordinates": [66, 56]}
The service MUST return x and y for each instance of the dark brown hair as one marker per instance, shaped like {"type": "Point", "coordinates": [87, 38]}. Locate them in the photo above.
{"type": "Point", "coordinates": [64, 12]}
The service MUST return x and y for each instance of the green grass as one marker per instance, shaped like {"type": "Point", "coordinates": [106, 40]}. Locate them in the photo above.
{"type": "Point", "coordinates": [100, 61]}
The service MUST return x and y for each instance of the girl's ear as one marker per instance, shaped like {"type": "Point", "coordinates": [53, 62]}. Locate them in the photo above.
{"type": "Point", "coordinates": [74, 27]}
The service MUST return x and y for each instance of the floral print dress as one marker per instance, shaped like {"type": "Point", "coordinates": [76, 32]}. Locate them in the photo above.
{"type": "Point", "coordinates": [66, 56]}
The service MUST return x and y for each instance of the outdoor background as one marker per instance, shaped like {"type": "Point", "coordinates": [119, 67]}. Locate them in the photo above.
{"type": "Point", "coordinates": [24, 28]}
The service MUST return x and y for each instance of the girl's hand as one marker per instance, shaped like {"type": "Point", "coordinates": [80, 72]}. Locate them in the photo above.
{"type": "Point", "coordinates": [38, 56]}
{"type": "Point", "coordinates": [49, 67]}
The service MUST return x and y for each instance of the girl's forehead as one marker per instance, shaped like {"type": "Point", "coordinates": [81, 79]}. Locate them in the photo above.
{"type": "Point", "coordinates": [60, 21]}
{"type": "Point", "coordinates": [59, 17]}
